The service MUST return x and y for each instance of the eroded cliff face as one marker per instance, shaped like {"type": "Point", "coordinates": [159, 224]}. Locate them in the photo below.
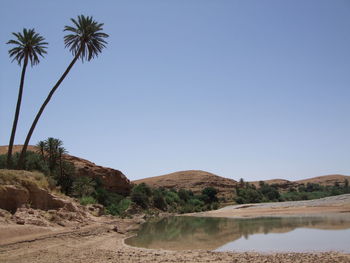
{"type": "Point", "coordinates": [25, 198]}
{"type": "Point", "coordinates": [30, 195]}
{"type": "Point", "coordinates": [112, 180]}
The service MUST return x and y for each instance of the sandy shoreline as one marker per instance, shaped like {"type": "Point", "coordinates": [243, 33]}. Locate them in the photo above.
{"type": "Point", "coordinates": [107, 246]}
{"type": "Point", "coordinates": [97, 242]}
{"type": "Point", "coordinates": [328, 205]}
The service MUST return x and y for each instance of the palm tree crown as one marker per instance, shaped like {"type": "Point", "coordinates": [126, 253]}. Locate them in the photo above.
{"type": "Point", "coordinates": [86, 39]}
{"type": "Point", "coordinates": [28, 45]}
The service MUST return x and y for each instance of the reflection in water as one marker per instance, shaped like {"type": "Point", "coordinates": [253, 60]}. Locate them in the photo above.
{"type": "Point", "coordinates": [182, 233]}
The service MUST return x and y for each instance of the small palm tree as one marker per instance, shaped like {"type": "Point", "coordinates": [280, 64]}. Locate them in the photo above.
{"type": "Point", "coordinates": [85, 41]}
{"type": "Point", "coordinates": [52, 146]}
{"type": "Point", "coordinates": [61, 152]}
{"type": "Point", "coordinates": [28, 46]}
{"type": "Point", "coordinates": [41, 148]}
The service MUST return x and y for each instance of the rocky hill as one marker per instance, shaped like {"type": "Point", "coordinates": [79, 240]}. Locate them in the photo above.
{"type": "Point", "coordinates": [194, 180]}
{"type": "Point", "coordinates": [112, 180]}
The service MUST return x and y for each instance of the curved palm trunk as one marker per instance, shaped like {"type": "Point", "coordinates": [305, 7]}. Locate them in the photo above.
{"type": "Point", "coordinates": [37, 117]}
{"type": "Point", "coordinates": [18, 108]}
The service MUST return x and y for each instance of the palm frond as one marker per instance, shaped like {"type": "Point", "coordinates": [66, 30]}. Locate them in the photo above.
{"type": "Point", "coordinates": [28, 44]}
{"type": "Point", "coordinates": [86, 37]}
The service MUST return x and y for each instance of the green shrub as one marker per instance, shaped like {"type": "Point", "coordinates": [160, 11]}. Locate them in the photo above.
{"type": "Point", "coordinates": [83, 186]}
{"type": "Point", "coordinates": [158, 200]}
{"type": "Point", "coordinates": [196, 202]}
{"type": "Point", "coordinates": [143, 188]}
{"type": "Point", "coordinates": [184, 194]}
{"type": "Point", "coordinates": [215, 206]}
{"type": "Point", "coordinates": [3, 159]}
{"type": "Point", "coordinates": [239, 200]}
{"type": "Point", "coordinates": [107, 198]}
{"type": "Point", "coordinates": [172, 198]}
{"type": "Point", "coordinates": [139, 198]}
{"type": "Point", "coordinates": [87, 200]}
{"type": "Point", "coordinates": [209, 194]}
{"type": "Point", "coordinates": [187, 208]}
{"type": "Point", "coordinates": [118, 208]}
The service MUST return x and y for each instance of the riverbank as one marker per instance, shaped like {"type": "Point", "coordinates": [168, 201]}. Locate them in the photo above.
{"type": "Point", "coordinates": [102, 240]}
{"type": "Point", "coordinates": [327, 205]}
{"type": "Point", "coordinates": [101, 244]}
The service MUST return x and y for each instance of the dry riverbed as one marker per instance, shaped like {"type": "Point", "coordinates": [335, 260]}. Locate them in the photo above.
{"type": "Point", "coordinates": [98, 242]}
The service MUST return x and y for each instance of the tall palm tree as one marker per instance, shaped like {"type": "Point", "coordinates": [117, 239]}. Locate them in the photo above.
{"type": "Point", "coordinates": [28, 46]}
{"type": "Point", "coordinates": [85, 41]}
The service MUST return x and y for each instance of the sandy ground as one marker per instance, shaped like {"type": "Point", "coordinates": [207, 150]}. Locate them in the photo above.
{"type": "Point", "coordinates": [328, 205]}
{"type": "Point", "coordinates": [97, 242]}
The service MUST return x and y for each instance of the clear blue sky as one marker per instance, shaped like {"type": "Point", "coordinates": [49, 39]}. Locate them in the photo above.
{"type": "Point", "coordinates": [252, 89]}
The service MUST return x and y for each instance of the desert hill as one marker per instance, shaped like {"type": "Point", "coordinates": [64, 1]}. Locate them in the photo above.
{"type": "Point", "coordinates": [195, 180]}
{"type": "Point", "coordinates": [324, 180]}
{"type": "Point", "coordinates": [112, 180]}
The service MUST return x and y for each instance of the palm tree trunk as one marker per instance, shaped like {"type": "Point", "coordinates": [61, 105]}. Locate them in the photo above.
{"type": "Point", "coordinates": [61, 168]}
{"type": "Point", "coordinates": [18, 108]}
{"type": "Point", "coordinates": [37, 117]}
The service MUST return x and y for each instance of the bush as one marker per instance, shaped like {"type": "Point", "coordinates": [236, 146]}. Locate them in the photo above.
{"type": "Point", "coordinates": [83, 186]}
{"type": "Point", "coordinates": [139, 198]}
{"type": "Point", "coordinates": [87, 200]}
{"type": "Point", "coordinates": [143, 188]}
{"type": "Point", "coordinates": [3, 159]}
{"type": "Point", "coordinates": [107, 198]}
{"type": "Point", "coordinates": [33, 162]}
{"type": "Point", "coordinates": [184, 194]}
{"type": "Point", "coordinates": [196, 202]}
{"type": "Point", "coordinates": [215, 206]}
{"type": "Point", "coordinates": [248, 195]}
{"type": "Point", "coordinates": [187, 208]}
{"type": "Point", "coordinates": [210, 193]}
{"type": "Point", "coordinates": [118, 208]}
{"type": "Point", "coordinates": [158, 200]}
{"type": "Point", "coordinates": [172, 198]}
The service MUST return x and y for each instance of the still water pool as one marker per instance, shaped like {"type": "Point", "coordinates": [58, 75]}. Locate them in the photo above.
{"type": "Point", "coordinates": [275, 234]}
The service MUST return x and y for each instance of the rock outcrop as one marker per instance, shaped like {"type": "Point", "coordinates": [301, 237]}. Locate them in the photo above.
{"type": "Point", "coordinates": [112, 180]}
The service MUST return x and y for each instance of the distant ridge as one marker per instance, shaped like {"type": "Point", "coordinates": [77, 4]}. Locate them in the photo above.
{"type": "Point", "coordinates": [196, 180]}
{"type": "Point", "coordinates": [324, 180]}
